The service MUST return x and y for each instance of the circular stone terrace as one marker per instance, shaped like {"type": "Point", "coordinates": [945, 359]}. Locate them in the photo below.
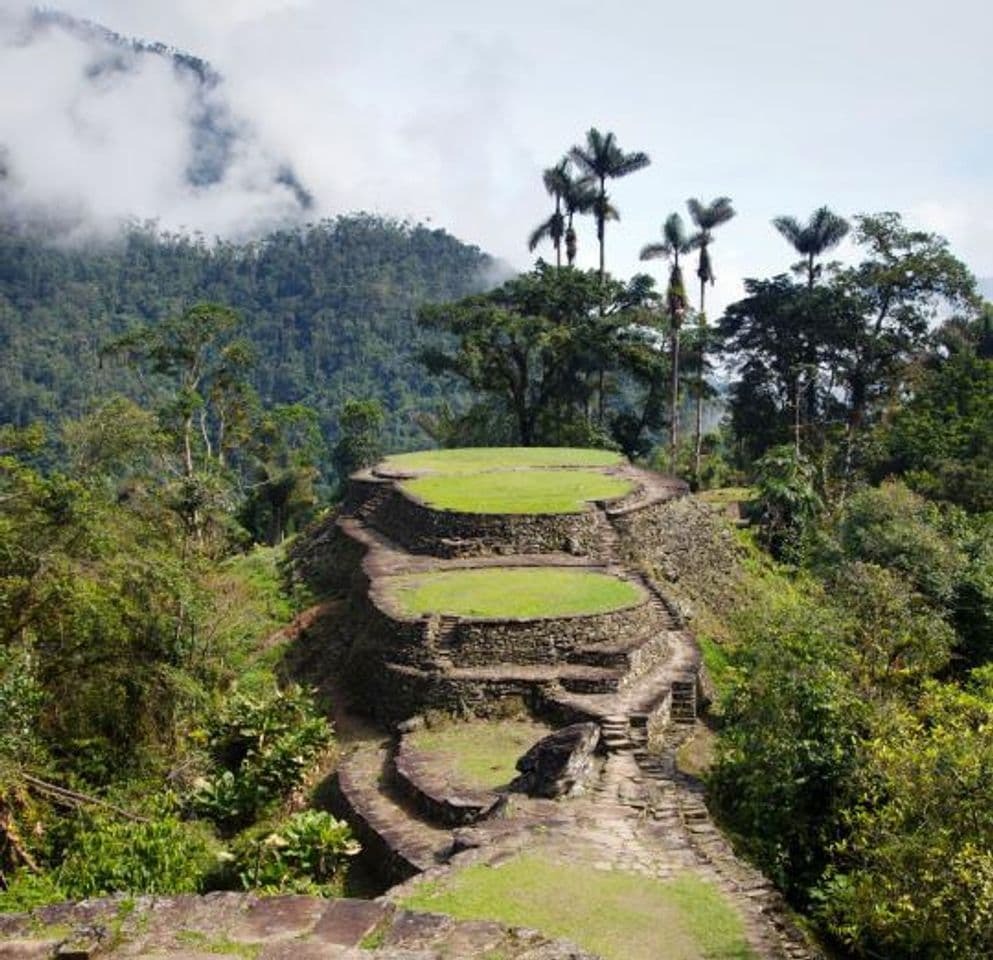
{"type": "Point", "coordinates": [502, 500]}
{"type": "Point", "coordinates": [510, 592]}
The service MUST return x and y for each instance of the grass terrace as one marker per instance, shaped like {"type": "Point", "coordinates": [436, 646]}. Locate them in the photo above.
{"type": "Point", "coordinates": [480, 755]}
{"type": "Point", "coordinates": [476, 459]}
{"type": "Point", "coordinates": [497, 592]}
{"type": "Point", "coordinates": [517, 491]}
{"type": "Point", "coordinates": [620, 916]}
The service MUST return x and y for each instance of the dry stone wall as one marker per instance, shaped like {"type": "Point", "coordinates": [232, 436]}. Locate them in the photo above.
{"type": "Point", "coordinates": [448, 533]}
{"type": "Point", "coordinates": [547, 640]}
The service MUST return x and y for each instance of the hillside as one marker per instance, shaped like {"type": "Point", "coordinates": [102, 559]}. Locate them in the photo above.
{"type": "Point", "coordinates": [329, 308]}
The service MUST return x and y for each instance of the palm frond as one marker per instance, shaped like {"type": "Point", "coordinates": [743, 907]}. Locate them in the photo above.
{"type": "Point", "coordinates": [790, 228]}
{"type": "Point", "coordinates": [654, 251]}
{"type": "Point", "coordinates": [709, 215]}
{"type": "Point", "coordinates": [552, 229]}
{"type": "Point", "coordinates": [674, 232]}
{"type": "Point", "coordinates": [630, 163]}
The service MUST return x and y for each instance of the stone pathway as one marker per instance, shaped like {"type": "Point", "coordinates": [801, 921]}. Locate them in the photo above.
{"type": "Point", "coordinates": [269, 928]}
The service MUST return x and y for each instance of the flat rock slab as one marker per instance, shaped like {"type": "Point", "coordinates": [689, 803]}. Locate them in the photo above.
{"type": "Point", "coordinates": [269, 928]}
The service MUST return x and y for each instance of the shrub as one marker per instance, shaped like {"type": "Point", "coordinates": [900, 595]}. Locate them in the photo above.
{"type": "Point", "coordinates": [264, 746]}
{"type": "Point", "coordinates": [307, 854]}
{"type": "Point", "coordinates": [789, 746]}
{"type": "Point", "coordinates": [787, 504]}
{"type": "Point", "coordinates": [162, 855]}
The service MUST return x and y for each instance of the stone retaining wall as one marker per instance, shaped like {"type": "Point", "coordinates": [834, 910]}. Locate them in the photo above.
{"type": "Point", "coordinates": [447, 533]}
{"type": "Point", "coordinates": [548, 640]}
{"type": "Point", "coordinates": [401, 690]}
{"type": "Point", "coordinates": [383, 857]}
{"type": "Point", "coordinates": [433, 796]}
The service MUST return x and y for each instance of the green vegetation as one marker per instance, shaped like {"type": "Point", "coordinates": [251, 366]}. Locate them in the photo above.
{"type": "Point", "coordinates": [328, 310]}
{"type": "Point", "coordinates": [142, 723]}
{"type": "Point", "coordinates": [482, 755]}
{"type": "Point", "coordinates": [478, 459]}
{"type": "Point", "coordinates": [517, 491]}
{"type": "Point", "coordinates": [497, 592]}
{"type": "Point", "coordinates": [620, 916]}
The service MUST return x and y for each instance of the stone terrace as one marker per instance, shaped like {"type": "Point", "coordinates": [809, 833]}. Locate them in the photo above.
{"type": "Point", "coordinates": [636, 673]}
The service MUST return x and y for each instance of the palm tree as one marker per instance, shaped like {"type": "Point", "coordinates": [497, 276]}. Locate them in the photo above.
{"type": "Point", "coordinates": [706, 217]}
{"type": "Point", "coordinates": [578, 197]}
{"type": "Point", "coordinates": [676, 242]}
{"type": "Point", "coordinates": [601, 159]}
{"type": "Point", "coordinates": [822, 232]}
{"type": "Point", "coordinates": [557, 181]}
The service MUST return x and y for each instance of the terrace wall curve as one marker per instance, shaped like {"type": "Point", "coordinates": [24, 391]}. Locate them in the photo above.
{"type": "Point", "coordinates": [422, 529]}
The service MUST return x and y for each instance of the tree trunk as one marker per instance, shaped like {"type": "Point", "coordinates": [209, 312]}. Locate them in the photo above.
{"type": "Point", "coordinates": [796, 414]}
{"type": "Point", "coordinates": [674, 410]}
{"type": "Point", "coordinates": [205, 433]}
{"type": "Point", "coordinates": [188, 445]}
{"type": "Point", "coordinates": [698, 427]}
{"type": "Point", "coordinates": [602, 225]}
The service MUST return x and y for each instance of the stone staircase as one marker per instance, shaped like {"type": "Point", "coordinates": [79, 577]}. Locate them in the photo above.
{"type": "Point", "coordinates": [683, 701]}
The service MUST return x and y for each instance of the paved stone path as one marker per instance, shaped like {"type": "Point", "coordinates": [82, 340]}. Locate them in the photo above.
{"type": "Point", "coordinates": [269, 928]}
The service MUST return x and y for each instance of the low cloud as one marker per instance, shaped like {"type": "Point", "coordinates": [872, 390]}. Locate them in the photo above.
{"type": "Point", "coordinates": [101, 131]}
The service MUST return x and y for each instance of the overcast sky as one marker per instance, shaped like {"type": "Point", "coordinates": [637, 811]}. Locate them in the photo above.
{"type": "Point", "coordinates": [449, 110]}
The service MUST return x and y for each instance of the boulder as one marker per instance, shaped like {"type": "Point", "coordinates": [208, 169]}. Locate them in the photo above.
{"type": "Point", "coordinates": [560, 765]}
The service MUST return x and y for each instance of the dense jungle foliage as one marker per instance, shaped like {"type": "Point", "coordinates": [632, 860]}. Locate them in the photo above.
{"type": "Point", "coordinates": [328, 310]}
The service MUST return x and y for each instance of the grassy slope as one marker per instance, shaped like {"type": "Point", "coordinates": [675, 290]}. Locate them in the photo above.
{"type": "Point", "coordinates": [472, 459]}
{"type": "Point", "coordinates": [512, 592]}
{"type": "Point", "coordinates": [250, 606]}
{"type": "Point", "coordinates": [520, 491]}
{"type": "Point", "coordinates": [620, 916]}
{"type": "Point", "coordinates": [480, 755]}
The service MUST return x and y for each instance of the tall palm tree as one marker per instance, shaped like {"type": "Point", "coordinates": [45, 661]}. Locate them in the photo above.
{"type": "Point", "coordinates": [601, 160]}
{"type": "Point", "coordinates": [578, 197]}
{"type": "Point", "coordinates": [707, 217]}
{"type": "Point", "coordinates": [676, 242]}
{"type": "Point", "coordinates": [557, 181]}
{"type": "Point", "coordinates": [822, 232]}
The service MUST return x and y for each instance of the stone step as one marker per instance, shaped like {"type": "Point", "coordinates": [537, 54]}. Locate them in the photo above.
{"type": "Point", "coordinates": [423, 785]}
{"type": "Point", "coordinates": [634, 655]}
{"type": "Point", "coordinates": [574, 677]}
{"type": "Point", "coordinates": [644, 696]}
{"type": "Point", "coordinates": [397, 844]}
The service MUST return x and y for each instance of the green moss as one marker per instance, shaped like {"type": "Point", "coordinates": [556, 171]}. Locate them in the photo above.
{"type": "Point", "coordinates": [620, 916]}
{"type": "Point", "coordinates": [725, 495]}
{"type": "Point", "coordinates": [481, 755]}
{"type": "Point", "coordinates": [512, 592]}
{"type": "Point", "coordinates": [517, 491]}
{"type": "Point", "coordinates": [376, 937]}
{"type": "Point", "coordinates": [219, 945]}
{"type": "Point", "coordinates": [473, 459]}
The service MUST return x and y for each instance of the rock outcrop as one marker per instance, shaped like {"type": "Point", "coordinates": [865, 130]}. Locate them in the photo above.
{"type": "Point", "coordinates": [563, 764]}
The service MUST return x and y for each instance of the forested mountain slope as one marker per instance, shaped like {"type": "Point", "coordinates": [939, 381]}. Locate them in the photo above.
{"type": "Point", "coordinates": [329, 308]}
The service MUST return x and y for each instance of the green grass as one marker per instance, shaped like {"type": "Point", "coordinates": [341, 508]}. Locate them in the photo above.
{"type": "Point", "coordinates": [474, 459]}
{"type": "Point", "coordinates": [517, 491]}
{"type": "Point", "coordinates": [497, 592]}
{"type": "Point", "coordinates": [725, 495]}
{"type": "Point", "coordinates": [620, 916]}
{"type": "Point", "coordinates": [480, 755]}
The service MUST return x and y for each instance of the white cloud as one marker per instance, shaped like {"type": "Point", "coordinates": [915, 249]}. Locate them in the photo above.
{"type": "Point", "coordinates": [445, 110]}
{"type": "Point", "coordinates": [91, 143]}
